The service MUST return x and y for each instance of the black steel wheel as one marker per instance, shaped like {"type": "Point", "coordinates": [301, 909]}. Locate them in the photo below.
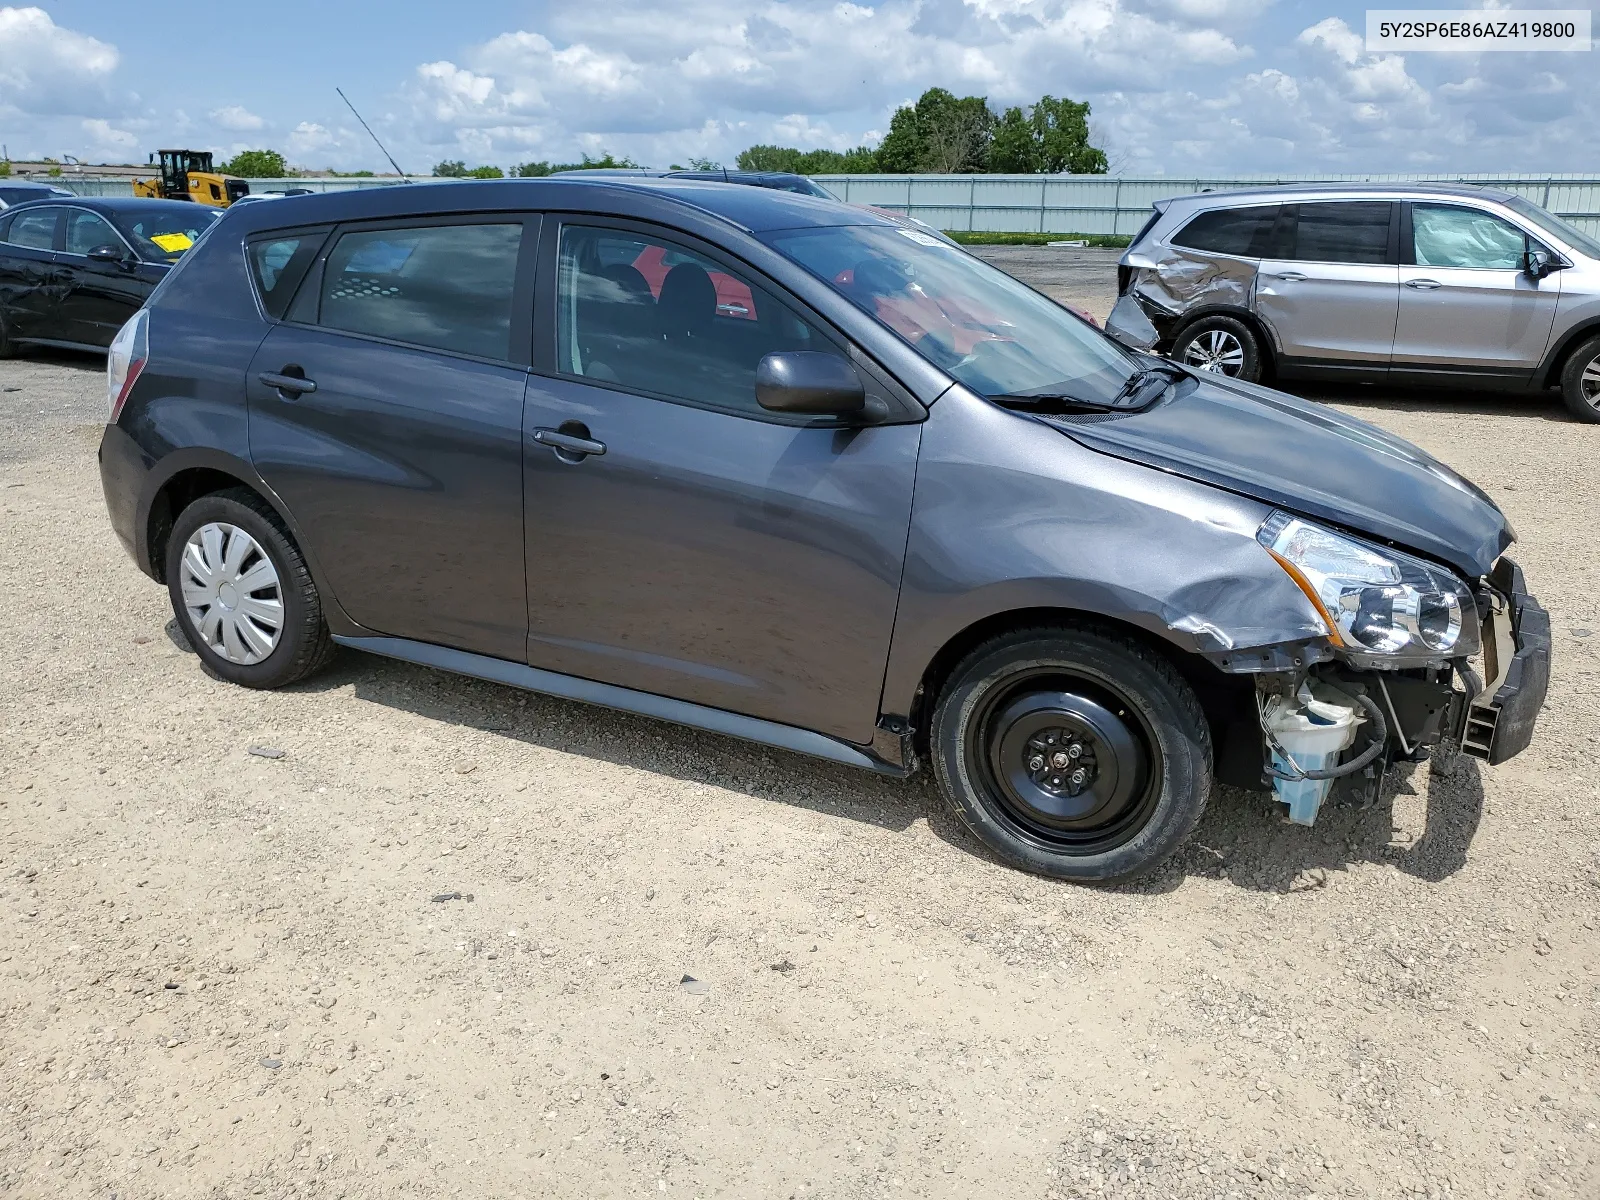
{"type": "Point", "coordinates": [1073, 753]}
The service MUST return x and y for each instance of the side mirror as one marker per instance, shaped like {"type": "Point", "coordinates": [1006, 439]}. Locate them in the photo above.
{"type": "Point", "coordinates": [806, 382]}
{"type": "Point", "coordinates": [1539, 263]}
{"type": "Point", "coordinates": [110, 254]}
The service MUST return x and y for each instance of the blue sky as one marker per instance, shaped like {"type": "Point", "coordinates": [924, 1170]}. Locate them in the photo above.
{"type": "Point", "coordinates": [1177, 86]}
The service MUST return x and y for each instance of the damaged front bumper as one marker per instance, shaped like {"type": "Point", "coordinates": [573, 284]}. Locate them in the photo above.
{"type": "Point", "coordinates": [1497, 723]}
{"type": "Point", "coordinates": [1405, 714]}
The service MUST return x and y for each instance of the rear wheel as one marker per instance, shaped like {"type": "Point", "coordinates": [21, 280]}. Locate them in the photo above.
{"type": "Point", "coordinates": [1580, 381]}
{"type": "Point", "coordinates": [1221, 345]}
{"type": "Point", "coordinates": [242, 593]}
{"type": "Point", "coordinates": [1072, 753]}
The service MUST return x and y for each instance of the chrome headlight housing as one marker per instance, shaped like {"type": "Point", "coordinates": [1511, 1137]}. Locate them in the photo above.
{"type": "Point", "coordinates": [1375, 600]}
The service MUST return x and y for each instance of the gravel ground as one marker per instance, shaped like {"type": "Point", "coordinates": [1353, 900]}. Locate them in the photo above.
{"type": "Point", "coordinates": [397, 933]}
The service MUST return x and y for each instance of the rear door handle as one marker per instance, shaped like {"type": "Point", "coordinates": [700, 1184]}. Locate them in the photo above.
{"type": "Point", "coordinates": [568, 442]}
{"type": "Point", "coordinates": [1423, 285]}
{"type": "Point", "coordinates": [1290, 276]}
{"type": "Point", "coordinates": [295, 384]}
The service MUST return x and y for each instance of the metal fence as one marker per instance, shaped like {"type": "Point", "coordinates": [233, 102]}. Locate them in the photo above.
{"type": "Point", "coordinates": [1090, 204]}
{"type": "Point", "coordinates": [1120, 204]}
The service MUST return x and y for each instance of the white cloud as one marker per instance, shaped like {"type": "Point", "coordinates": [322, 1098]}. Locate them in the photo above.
{"type": "Point", "coordinates": [236, 119]}
{"type": "Point", "coordinates": [51, 71]}
{"type": "Point", "coordinates": [1181, 86]}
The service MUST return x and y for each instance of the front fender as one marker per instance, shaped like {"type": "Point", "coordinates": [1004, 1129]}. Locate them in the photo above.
{"type": "Point", "coordinates": [1010, 515]}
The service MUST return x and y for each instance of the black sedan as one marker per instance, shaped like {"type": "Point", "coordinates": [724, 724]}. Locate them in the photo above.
{"type": "Point", "coordinates": [72, 271]}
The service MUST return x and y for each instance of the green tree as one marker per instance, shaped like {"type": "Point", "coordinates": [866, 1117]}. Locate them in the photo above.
{"type": "Point", "coordinates": [5, 168]}
{"type": "Point", "coordinates": [863, 160]}
{"type": "Point", "coordinates": [538, 170]}
{"type": "Point", "coordinates": [485, 173]}
{"type": "Point", "coordinates": [1015, 149]}
{"type": "Point", "coordinates": [1063, 131]}
{"type": "Point", "coordinates": [704, 164]}
{"type": "Point", "coordinates": [450, 168]}
{"type": "Point", "coordinates": [256, 164]}
{"type": "Point", "coordinates": [941, 134]}
{"type": "Point", "coordinates": [1050, 137]}
{"type": "Point", "coordinates": [946, 134]}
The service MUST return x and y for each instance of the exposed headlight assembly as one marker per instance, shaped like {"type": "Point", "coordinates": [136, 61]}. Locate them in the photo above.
{"type": "Point", "coordinates": [1375, 600]}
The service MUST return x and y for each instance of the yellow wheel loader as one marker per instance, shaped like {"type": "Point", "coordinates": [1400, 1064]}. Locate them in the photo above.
{"type": "Point", "coordinates": [190, 175]}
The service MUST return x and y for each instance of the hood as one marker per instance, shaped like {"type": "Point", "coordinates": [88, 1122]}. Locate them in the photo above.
{"type": "Point", "coordinates": [1312, 460]}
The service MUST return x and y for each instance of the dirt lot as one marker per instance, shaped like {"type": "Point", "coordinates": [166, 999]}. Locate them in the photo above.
{"type": "Point", "coordinates": [223, 974]}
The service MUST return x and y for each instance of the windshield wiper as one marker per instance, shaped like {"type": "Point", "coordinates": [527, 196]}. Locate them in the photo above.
{"type": "Point", "coordinates": [1137, 391]}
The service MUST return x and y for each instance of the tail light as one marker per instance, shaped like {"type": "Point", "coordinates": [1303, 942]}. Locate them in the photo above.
{"type": "Point", "coordinates": [130, 350]}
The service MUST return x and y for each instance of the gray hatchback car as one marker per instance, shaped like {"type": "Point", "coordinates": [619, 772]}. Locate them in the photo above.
{"type": "Point", "coordinates": [776, 467]}
{"type": "Point", "coordinates": [1414, 284]}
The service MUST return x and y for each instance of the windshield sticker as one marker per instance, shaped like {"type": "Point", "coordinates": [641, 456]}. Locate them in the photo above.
{"type": "Point", "coordinates": [172, 243]}
{"type": "Point", "coordinates": [920, 238]}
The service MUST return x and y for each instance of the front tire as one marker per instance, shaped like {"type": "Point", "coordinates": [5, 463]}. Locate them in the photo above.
{"type": "Point", "coordinates": [1221, 345]}
{"type": "Point", "coordinates": [1580, 382]}
{"type": "Point", "coordinates": [242, 593]}
{"type": "Point", "coordinates": [1072, 753]}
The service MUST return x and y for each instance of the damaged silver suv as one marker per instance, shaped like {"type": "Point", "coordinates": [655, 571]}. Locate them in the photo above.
{"type": "Point", "coordinates": [1414, 284]}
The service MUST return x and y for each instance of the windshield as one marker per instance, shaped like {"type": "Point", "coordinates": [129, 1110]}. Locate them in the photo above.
{"type": "Point", "coordinates": [973, 320]}
{"type": "Point", "coordinates": [1550, 223]}
{"type": "Point", "coordinates": [164, 236]}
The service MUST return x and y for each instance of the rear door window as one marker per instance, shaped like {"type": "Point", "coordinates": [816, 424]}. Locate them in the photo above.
{"type": "Point", "coordinates": [35, 228]}
{"type": "Point", "coordinates": [1241, 231]}
{"type": "Point", "coordinates": [1354, 231]}
{"type": "Point", "coordinates": [449, 287]}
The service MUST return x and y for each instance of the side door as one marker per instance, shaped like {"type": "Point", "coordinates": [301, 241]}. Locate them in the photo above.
{"type": "Point", "coordinates": [1329, 287]}
{"type": "Point", "coordinates": [99, 296]}
{"type": "Point", "coordinates": [710, 551]}
{"type": "Point", "coordinates": [1466, 301]}
{"type": "Point", "coordinates": [30, 294]}
{"type": "Point", "coordinates": [386, 412]}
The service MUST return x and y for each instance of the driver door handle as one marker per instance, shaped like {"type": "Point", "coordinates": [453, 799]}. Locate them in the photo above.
{"type": "Point", "coordinates": [1423, 285]}
{"type": "Point", "coordinates": [287, 384]}
{"type": "Point", "coordinates": [569, 442]}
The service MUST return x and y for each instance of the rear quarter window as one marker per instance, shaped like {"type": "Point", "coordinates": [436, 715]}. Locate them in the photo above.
{"type": "Point", "coordinates": [278, 262]}
{"type": "Point", "coordinates": [1244, 232]}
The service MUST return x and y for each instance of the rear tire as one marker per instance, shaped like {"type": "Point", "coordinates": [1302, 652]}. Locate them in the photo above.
{"type": "Point", "coordinates": [1072, 753]}
{"type": "Point", "coordinates": [1580, 382]}
{"type": "Point", "coordinates": [242, 593]}
{"type": "Point", "coordinates": [1221, 345]}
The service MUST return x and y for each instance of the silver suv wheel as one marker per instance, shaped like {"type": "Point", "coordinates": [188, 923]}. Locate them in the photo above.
{"type": "Point", "coordinates": [232, 593]}
{"type": "Point", "coordinates": [1215, 350]}
{"type": "Point", "coordinates": [1580, 382]}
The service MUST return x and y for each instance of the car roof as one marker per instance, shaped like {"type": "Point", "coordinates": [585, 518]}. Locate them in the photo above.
{"type": "Point", "coordinates": [647, 197]}
{"type": "Point", "coordinates": [1288, 191]}
{"type": "Point", "coordinates": [120, 205]}
{"type": "Point", "coordinates": [49, 189]}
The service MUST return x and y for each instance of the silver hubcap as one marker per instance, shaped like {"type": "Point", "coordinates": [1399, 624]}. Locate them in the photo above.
{"type": "Point", "coordinates": [1215, 350]}
{"type": "Point", "coordinates": [231, 590]}
{"type": "Point", "coordinates": [1589, 383]}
